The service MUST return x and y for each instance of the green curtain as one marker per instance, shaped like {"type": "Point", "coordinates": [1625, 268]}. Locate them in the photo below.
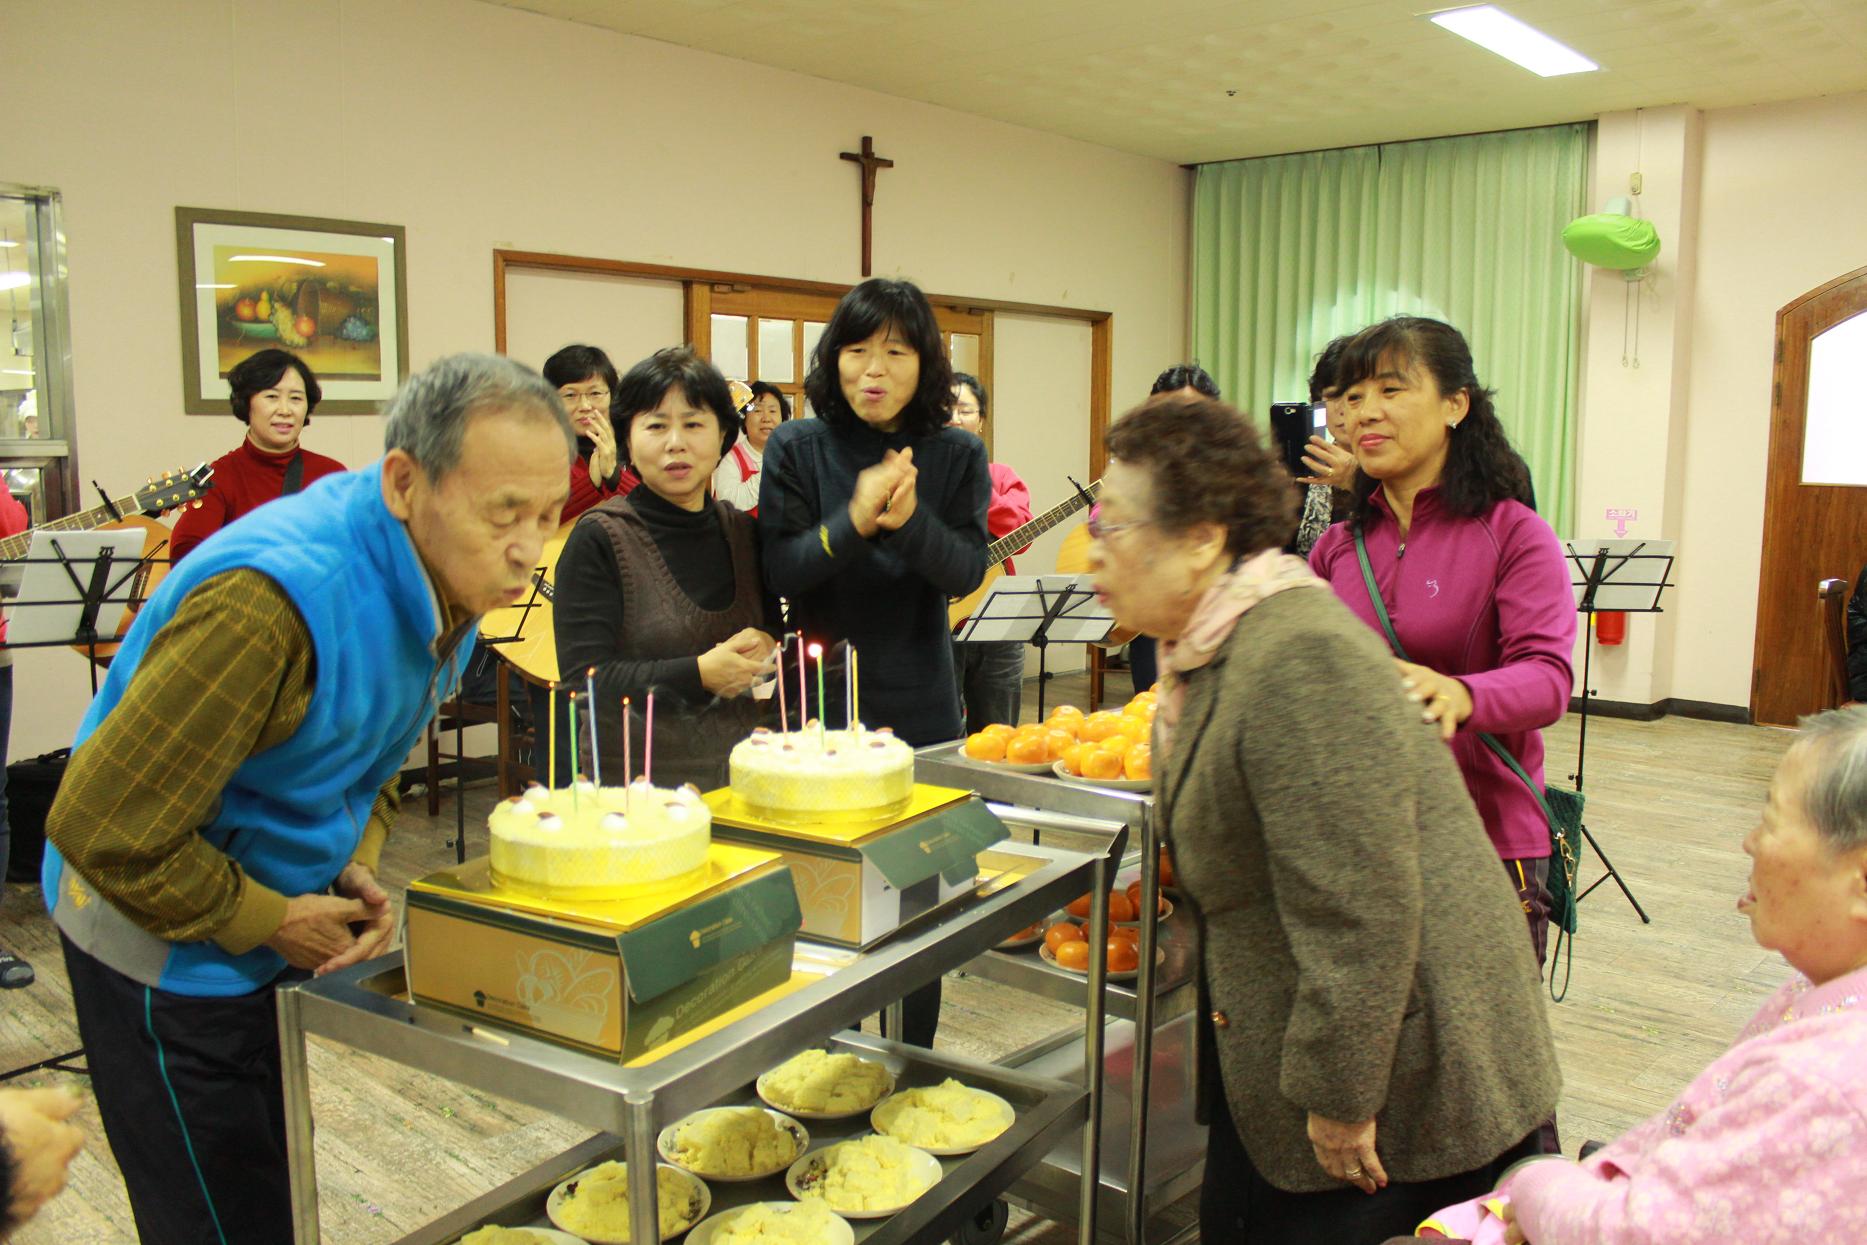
{"type": "Point", "coordinates": [1290, 251]}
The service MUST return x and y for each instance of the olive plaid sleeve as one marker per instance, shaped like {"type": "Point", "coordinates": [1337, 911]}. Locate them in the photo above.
{"type": "Point", "coordinates": [227, 677]}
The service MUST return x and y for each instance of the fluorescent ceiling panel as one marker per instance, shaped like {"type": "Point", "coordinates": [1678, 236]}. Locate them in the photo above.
{"type": "Point", "coordinates": [1496, 31]}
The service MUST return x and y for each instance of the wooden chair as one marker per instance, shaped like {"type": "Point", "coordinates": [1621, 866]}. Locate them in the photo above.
{"type": "Point", "coordinates": [1831, 596]}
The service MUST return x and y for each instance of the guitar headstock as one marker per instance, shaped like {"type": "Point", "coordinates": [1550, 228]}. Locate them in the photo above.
{"type": "Point", "coordinates": [177, 488]}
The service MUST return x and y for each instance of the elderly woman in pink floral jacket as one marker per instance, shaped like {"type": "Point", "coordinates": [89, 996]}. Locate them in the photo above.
{"type": "Point", "coordinates": [1768, 1145]}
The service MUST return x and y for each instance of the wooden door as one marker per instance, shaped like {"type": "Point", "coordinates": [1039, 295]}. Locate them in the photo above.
{"type": "Point", "coordinates": [1815, 502]}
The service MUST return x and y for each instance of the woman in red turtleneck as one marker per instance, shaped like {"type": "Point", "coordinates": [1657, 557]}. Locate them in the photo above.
{"type": "Point", "coordinates": [274, 393]}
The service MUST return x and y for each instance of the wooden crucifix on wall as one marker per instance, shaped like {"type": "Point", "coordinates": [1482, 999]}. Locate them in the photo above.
{"type": "Point", "coordinates": [870, 163]}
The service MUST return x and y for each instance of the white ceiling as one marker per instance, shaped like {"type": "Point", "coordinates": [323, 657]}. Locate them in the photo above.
{"type": "Point", "coordinates": [1152, 77]}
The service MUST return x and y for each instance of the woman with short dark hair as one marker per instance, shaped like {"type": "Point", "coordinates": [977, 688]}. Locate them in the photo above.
{"type": "Point", "coordinates": [873, 516]}
{"type": "Point", "coordinates": [1370, 1033]}
{"type": "Point", "coordinates": [586, 383]}
{"type": "Point", "coordinates": [736, 481]}
{"type": "Point", "coordinates": [660, 590]}
{"type": "Point", "coordinates": [1471, 580]}
{"type": "Point", "coordinates": [273, 392]}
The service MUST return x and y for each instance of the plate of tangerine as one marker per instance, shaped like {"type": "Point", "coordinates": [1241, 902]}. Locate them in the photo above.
{"type": "Point", "coordinates": [1066, 948]}
{"type": "Point", "coordinates": [1029, 749]}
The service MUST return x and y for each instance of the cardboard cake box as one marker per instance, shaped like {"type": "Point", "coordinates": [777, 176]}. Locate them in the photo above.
{"type": "Point", "coordinates": [617, 978]}
{"type": "Point", "coordinates": [858, 881]}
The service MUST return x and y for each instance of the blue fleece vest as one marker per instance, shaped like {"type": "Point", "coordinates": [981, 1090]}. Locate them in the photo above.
{"type": "Point", "coordinates": [292, 815]}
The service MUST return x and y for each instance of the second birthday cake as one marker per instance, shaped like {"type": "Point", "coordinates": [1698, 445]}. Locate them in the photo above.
{"type": "Point", "coordinates": [814, 773]}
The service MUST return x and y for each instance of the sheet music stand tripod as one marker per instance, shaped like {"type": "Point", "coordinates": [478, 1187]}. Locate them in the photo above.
{"type": "Point", "coordinates": [1036, 610]}
{"type": "Point", "coordinates": [95, 567]}
{"type": "Point", "coordinates": [1625, 576]}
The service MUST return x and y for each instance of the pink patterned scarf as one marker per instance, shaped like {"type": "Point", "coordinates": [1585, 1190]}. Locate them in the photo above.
{"type": "Point", "coordinates": [1262, 575]}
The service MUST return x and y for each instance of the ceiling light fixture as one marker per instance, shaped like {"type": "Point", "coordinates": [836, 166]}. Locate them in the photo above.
{"type": "Point", "coordinates": [1494, 30]}
{"type": "Point", "coordinates": [276, 259]}
{"type": "Point", "coordinates": [8, 242]}
{"type": "Point", "coordinates": [14, 280]}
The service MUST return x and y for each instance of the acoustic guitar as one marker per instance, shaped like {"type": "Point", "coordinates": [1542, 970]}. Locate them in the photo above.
{"type": "Point", "coordinates": [1073, 559]}
{"type": "Point", "coordinates": [524, 633]}
{"type": "Point", "coordinates": [168, 492]}
{"type": "Point", "coordinates": [1010, 543]}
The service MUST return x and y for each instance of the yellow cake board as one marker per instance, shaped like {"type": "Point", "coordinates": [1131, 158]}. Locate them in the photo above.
{"type": "Point", "coordinates": [729, 807]}
{"type": "Point", "coordinates": [727, 864]}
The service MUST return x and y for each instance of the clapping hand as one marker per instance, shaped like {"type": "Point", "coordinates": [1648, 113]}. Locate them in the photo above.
{"type": "Point", "coordinates": [1329, 463]}
{"type": "Point", "coordinates": [596, 425]}
{"type": "Point", "coordinates": [1442, 699]}
{"type": "Point", "coordinates": [900, 505]}
{"type": "Point", "coordinates": [877, 494]}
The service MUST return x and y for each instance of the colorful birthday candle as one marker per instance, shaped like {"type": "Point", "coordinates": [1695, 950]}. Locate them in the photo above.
{"type": "Point", "coordinates": [855, 688]}
{"type": "Point", "coordinates": [596, 762]}
{"type": "Point", "coordinates": [784, 720]}
{"type": "Point", "coordinates": [823, 715]}
{"type": "Point", "coordinates": [628, 758]}
{"type": "Point", "coordinates": [648, 741]}
{"type": "Point", "coordinates": [551, 734]}
{"type": "Point", "coordinates": [571, 699]}
{"type": "Point", "coordinates": [803, 700]}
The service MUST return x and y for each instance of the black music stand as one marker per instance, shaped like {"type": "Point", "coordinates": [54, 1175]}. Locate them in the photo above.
{"type": "Point", "coordinates": [1623, 576]}
{"type": "Point", "coordinates": [106, 581]}
{"type": "Point", "coordinates": [1035, 610]}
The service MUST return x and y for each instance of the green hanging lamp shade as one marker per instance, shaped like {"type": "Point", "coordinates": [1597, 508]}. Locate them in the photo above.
{"type": "Point", "coordinates": [1612, 239]}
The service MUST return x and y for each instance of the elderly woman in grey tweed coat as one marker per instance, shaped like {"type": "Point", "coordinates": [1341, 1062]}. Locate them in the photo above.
{"type": "Point", "coordinates": [1373, 1043]}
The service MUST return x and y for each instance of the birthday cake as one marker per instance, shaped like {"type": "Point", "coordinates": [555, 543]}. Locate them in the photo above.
{"type": "Point", "coordinates": [814, 773]}
{"type": "Point", "coordinates": [591, 842]}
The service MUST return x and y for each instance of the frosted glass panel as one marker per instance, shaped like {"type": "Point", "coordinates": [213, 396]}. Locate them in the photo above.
{"type": "Point", "coordinates": [774, 352]}
{"type": "Point", "coordinates": [729, 346]}
{"type": "Point", "coordinates": [811, 333]}
{"type": "Point", "coordinates": [1834, 438]}
{"type": "Point", "coordinates": [965, 353]}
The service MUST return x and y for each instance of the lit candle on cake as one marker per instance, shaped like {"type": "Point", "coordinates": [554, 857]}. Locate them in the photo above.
{"type": "Point", "coordinates": [823, 713]}
{"type": "Point", "coordinates": [628, 758]}
{"type": "Point", "coordinates": [596, 762]}
{"type": "Point", "coordinates": [855, 689]}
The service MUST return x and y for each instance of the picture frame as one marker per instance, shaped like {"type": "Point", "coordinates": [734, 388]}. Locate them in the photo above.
{"type": "Point", "coordinates": [333, 292]}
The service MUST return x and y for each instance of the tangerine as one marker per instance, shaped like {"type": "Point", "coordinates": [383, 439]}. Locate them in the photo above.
{"type": "Point", "coordinates": [1059, 741]}
{"type": "Point", "coordinates": [985, 747]}
{"type": "Point", "coordinates": [1124, 956]}
{"type": "Point", "coordinates": [1118, 744]}
{"type": "Point", "coordinates": [1062, 932]}
{"type": "Point", "coordinates": [1069, 726]}
{"type": "Point", "coordinates": [1138, 762]}
{"type": "Point", "coordinates": [1099, 726]}
{"type": "Point", "coordinates": [1000, 730]}
{"type": "Point", "coordinates": [1101, 763]}
{"type": "Point", "coordinates": [1121, 908]}
{"type": "Point", "coordinates": [1166, 868]}
{"type": "Point", "coordinates": [1073, 955]}
{"type": "Point", "coordinates": [1136, 728]}
{"type": "Point", "coordinates": [1067, 711]}
{"type": "Point", "coordinates": [1079, 906]}
{"type": "Point", "coordinates": [1073, 758]}
{"type": "Point", "coordinates": [1126, 933]}
{"type": "Point", "coordinates": [1028, 749]}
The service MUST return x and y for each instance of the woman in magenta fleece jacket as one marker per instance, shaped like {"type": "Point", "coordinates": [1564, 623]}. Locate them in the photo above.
{"type": "Point", "coordinates": [1474, 582]}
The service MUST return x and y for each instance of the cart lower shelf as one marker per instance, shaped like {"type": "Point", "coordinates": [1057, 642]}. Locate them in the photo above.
{"type": "Point", "coordinates": [1050, 1115]}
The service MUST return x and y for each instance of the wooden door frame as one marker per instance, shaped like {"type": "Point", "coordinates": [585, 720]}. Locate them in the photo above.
{"type": "Point", "coordinates": [1776, 580]}
{"type": "Point", "coordinates": [697, 310]}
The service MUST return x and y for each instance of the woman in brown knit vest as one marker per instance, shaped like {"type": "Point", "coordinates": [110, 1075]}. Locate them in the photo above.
{"type": "Point", "coordinates": [661, 590]}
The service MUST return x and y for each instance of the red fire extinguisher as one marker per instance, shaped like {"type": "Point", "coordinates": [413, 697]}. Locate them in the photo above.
{"type": "Point", "coordinates": [1611, 627]}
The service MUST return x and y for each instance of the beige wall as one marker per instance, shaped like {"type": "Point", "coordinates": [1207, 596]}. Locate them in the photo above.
{"type": "Point", "coordinates": [1784, 209]}
{"type": "Point", "coordinates": [479, 127]}
{"type": "Point", "coordinates": [1756, 206]}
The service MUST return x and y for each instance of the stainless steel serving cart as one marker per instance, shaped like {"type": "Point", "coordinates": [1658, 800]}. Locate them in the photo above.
{"type": "Point", "coordinates": [366, 1007]}
{"type": "Point", "coordinates": [1149, 1049]}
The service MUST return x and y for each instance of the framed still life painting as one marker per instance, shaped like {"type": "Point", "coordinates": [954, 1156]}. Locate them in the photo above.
{"type": "Point", "coordinates": [333, 292]}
